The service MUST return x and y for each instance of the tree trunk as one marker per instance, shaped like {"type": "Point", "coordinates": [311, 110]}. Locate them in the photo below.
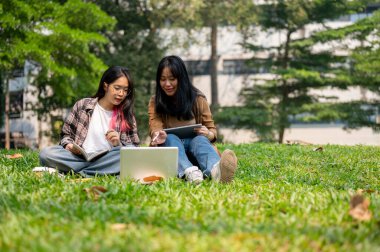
{"type": "Point", "coordinates": [213, 69]}
{"type": "Point", "coordinates": [283, 116]}
{"type": "Point", "coordinates": [283, 122]}
{"type": "Point", "coordinates": [39, 138]}
{"type": "Point", "coordinates": [281, 133]}
{"type": "Point", "coordinates": [6, 121]}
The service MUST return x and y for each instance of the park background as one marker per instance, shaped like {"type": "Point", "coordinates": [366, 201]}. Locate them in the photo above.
{"type": "Point", "coordinates": [267, 67]}
{"type": "Point", "coordinates": [273, 71]}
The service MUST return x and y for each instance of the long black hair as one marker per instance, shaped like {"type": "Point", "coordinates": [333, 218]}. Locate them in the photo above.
{"type": "Point", "coordinates": [127, 105]}
{"type": "Point", "coordinates": [181, 105]}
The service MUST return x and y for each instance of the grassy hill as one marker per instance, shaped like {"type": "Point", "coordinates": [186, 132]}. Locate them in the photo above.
{"type": "Point", "coordinates": [283, 198]}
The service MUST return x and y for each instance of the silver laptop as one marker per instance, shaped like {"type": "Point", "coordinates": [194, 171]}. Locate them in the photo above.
{"type": "Point", "coordinates": [143, 162]}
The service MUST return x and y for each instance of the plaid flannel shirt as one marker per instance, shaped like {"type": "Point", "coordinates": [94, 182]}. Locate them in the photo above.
{"type": "Point", "coordinates": [76, 125]}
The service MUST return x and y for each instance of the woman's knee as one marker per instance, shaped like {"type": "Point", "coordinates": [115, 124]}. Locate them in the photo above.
{"type": "Point", "coordinates": [171, 138]}
{"type": "Point", "coordinates": [199, 143]}
{"type": "Point", "coordinates": [47, 153]}
{"type": "Point", "coordinates": [42, 154]}
{"type": "Point", "coordinates": [199, 140]}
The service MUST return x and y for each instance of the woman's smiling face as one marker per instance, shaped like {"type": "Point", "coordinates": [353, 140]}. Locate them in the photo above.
{"type": "Point", "coordinates": [116, 92]}
{"type": "Point", "coordinates": [168, 82]}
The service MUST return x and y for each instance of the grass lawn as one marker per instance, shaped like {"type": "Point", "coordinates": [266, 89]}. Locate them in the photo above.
{"type": "Point", "coordinates": [283, 198]}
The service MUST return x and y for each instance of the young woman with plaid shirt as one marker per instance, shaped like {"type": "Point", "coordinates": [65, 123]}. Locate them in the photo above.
{"type": "Point", "coordinates": [105, 121]}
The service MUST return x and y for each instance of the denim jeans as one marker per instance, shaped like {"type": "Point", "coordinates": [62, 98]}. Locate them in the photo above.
{"type": "Point", "coordinates": [197, 151]}
{"type": "Point", "coordinates": [65, 161]}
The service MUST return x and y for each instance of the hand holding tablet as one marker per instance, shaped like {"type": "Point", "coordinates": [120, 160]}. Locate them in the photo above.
{"type": "Point", "coordinates": [187, 131]}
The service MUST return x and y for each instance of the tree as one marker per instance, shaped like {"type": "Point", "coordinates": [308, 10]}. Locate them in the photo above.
{"type": "Point", "coordinates": [295, 64]}
{"type": "Point", "coordinates": [134, 43]}
{"type": "Point", "coordinates": [212, 14]}
{"type": "Point", "coordinates": [365, 72]}
{"type": "Point", "coordinates": [137, 38]}
{"type": "Point", "coordinates": [362, 63]}
{"type": "Point", "coordinates": [196, 14]}
{"type": "Point", "coordinates": [62, 38]}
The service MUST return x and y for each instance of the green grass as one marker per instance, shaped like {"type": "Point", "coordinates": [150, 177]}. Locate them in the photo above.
{"type": "Point", "coordinates": [283, 198]}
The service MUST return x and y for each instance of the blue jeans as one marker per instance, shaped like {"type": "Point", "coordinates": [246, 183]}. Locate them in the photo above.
{"type": "Point", "coordinates": [65, 161]}
{"type": "Point", "coordinates": [198, 149]}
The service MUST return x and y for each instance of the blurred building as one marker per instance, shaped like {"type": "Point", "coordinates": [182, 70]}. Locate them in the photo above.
{"type": "Point", "coordinates": [26, 130]}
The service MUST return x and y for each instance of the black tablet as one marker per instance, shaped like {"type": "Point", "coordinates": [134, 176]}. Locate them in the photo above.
{"type": "Point", "coordinates": [184, 131]}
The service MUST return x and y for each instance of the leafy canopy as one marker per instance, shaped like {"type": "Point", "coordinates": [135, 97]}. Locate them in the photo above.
{"type": "Point", "coordinates": [62, 38]}
{"type": "Point", "coordinates": [299, 65]}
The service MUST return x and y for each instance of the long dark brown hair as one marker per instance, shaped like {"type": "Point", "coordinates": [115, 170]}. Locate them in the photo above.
{"type": "Point", "coordinates": [184, 99]}
{"type": "Point", "coordinates": [127, 105]}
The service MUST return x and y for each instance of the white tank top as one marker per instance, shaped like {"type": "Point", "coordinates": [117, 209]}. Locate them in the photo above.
{"type": "Point", "coordinates": [99, 125]}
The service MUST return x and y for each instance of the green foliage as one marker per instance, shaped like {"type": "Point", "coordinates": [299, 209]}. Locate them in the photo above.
{"type": "Point", "coordinates": [366, 58]}
{"type": "Point", "coordinates": [295, 14]}
{"type": "Point", "coordinates": [2, 99]}
{"type": "Point", "coordinates": [257, 118]}
{"type": "Point", "coordinates": [282, 198]}
{"type": "Point", "coordinates": [197, 14]}
{"type": "Point", "coordinates": [134, 43]}
{"type": "Point", "coordinates": [295, 65]}
{"type": "Point", "coordinates": [354, 114]}
{"type": "Point", "coordinates": [135, 40]}
{"type": "Point", "coordinates": [62, 38]}
{"type": "Point", "coordinates": [360, 113]}
{"type": "Point", "coordinates": [364, 64]}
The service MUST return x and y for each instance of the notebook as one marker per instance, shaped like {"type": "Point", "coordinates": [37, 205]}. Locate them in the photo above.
{"type": "Point", "coordinates": [147, 164]}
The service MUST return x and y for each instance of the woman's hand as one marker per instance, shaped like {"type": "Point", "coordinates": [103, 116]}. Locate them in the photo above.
{"type": "Point", "coordinates": [113, 137]}
{"type": "Point", "coordinates": [159, 137]}
{"type": "Point", "coordinates": [204, 131]}
{"type": "Point", "coordinates": [70, 148]}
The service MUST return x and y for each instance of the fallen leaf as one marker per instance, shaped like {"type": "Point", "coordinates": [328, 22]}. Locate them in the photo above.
{"type": "Point", "coordinates": [152, 178]}
{"type": "Point", "coordinates": [320, 148]}
{"type": "Point", "coordinates": [297, 142]}
{"type": "Point", "coordinates": [359, 208]}
{"type": "Point", "coordinates": [369, 191]}
{"type": "Point", "coordinates": [118, 226]}
{"type": "Point", "coordinates": [149, 180]}
{"type": "Point", "coordinates": [94, 192]}
{"type": "Point", "coordinates": [41, 174]}
{"type": "Point", "coordinates": [81, 180]}
{"type": "Point", "coordinates": [361, 191]}
{"type": "Point", "coordinates": [16, 155]}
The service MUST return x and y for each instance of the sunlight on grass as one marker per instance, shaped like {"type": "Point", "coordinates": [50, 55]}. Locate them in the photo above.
{"type": "Point", "coordinates": [283, 198]}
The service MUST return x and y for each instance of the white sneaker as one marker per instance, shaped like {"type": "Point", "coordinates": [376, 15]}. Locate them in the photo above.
{"type": "Point", "coordinates": [193, 175]}
{"type": "Point", "coordinates": [224, 170]}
